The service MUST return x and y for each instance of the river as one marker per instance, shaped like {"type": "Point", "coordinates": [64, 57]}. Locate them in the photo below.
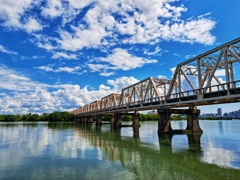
{"type": "Point", "coordinates": [41, 150]}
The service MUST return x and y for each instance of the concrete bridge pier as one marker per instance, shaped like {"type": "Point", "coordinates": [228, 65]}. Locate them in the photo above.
{"type": "Point", "coordinates": [192, 120]}
{"type": "Point", "coordinates": [136, 119]}
{"type": "Point", "coordinates": [112, 119]}
{"type": "Point", "coordinates": [164, 123]}
{"type": "Point", "coordinates": [117, 119]}
{"type": "Point", "coordinates": [89, 119]}
{"type": "Point", "coordinates": [84, 120]}
{"type": "Point", "coordinates": [98, 120]}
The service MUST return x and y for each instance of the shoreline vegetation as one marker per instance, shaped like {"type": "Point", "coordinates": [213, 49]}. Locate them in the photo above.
{"type": "Point", "coordinates": [68, 117]}
{"type": "Point", "coordinates": [52, 117]}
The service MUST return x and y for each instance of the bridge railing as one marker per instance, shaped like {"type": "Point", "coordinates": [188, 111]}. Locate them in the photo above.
{"type": "Point", "coordinates": [186, 95]}
{"type": "Point", "coordinates": [224, 89]}
{"type": "Point", "coordinates": [208, 92]}
{"type": "Point", "coordinates": [216, 90]}
{"type": "Point", "coordinates": [235, 87]}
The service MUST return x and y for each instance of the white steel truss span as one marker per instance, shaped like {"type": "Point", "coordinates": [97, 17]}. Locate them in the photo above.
{"type": "Point", "coordinates": [210, 78]}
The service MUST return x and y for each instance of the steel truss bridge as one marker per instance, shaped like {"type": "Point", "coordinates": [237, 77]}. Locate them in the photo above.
{"type": "Point", "coordinates": [210, 78]}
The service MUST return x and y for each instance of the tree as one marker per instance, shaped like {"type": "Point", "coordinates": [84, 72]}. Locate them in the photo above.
{"type": "Point", "coordinates": [60, 116]}
{"type": "Point", "coordinates": [175, 117]}
{"type": "Point", "coordinates": [126, 118]}
{"type": "Point", "coordinates": [11, 118]}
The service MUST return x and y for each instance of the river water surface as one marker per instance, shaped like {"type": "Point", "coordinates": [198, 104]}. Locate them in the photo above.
{"type": "Point", "coordinates": [76, 151]}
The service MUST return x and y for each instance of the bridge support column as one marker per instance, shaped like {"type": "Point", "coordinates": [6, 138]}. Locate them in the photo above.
{"type": "Point", "coordinates": [98, 120]}
{"type": "Point", "coordinates": [136, 119]}
{"type": "Point", "coordinates": [80, 119]}
{"type": "Point", "coordinates": [192, 120]}
{"type": "Point", "coordinates": [90, 120]}
{"type": "Point", "coordinates": [83, 120]}
{"type": "Point", "coordinates": [117, 119]}
{"type": "Point", "coordinates": [164, 124]}
{"type": "Point", "coordinates": [112, 119]}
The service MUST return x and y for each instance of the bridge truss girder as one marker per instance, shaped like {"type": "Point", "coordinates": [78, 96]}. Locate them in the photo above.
{"type": "Point", "coordinates": [94, 106]}
{"type": "Point", "coordinates": [110, 101]}
{"type": "Point", "coordinates": [214, 67]}
{"type": "Point", "coordinates": [146, 91]}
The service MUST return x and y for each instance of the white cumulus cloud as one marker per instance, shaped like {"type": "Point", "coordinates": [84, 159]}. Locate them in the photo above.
{"type": "Point", "coordinates": [12, 13]}
{"type": "Point", "coordinates": [120, 59]}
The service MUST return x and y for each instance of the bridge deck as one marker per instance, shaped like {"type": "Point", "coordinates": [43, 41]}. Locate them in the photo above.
{"type": "Point", "coordinates": [191, 98]}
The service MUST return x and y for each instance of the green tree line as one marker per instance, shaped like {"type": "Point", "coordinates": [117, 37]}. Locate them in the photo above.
{"type": "Point", "coordinates": [55, 116]}
{"type": "Point", "coordinates": [144, 117]}
{"type": "Point", "coordinates": [67, 116]}
{"type": "Point", "coordinates": [154, 117]}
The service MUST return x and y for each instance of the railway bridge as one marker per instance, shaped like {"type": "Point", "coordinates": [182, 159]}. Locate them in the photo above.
{"type": "Point", "coordinates": [210, 78]}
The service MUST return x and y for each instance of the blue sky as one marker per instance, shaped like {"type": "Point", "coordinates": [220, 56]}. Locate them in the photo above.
{"type": "Point", "coordinates": [58, 55]}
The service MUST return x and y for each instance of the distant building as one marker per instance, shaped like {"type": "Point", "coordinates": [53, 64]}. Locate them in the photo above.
{"type": "Point", "coordinates": [235, 114]}
{"type": "Point", "coordinates": [219, 111]}
{"type": "Point", "coordinates": [225, 114]}
{"type": "Point", "coordinates": [207, 115]}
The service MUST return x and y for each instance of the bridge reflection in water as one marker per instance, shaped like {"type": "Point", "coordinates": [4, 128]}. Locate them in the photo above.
{"type": "Point", "coordinates": [145, 160]}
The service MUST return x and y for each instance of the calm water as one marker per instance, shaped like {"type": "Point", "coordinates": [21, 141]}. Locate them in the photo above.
{"type": "Point", "coordinates": [70, 151]}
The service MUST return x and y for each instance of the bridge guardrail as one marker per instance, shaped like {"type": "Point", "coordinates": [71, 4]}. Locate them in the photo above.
{"type": "Point", "coordinates": [207, 92]}
{"type": "Point", "coordinates": [235, 87]}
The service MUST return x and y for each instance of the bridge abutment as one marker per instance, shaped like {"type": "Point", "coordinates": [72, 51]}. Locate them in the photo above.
{"type": "Point", "coordinates": [164, 122]}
